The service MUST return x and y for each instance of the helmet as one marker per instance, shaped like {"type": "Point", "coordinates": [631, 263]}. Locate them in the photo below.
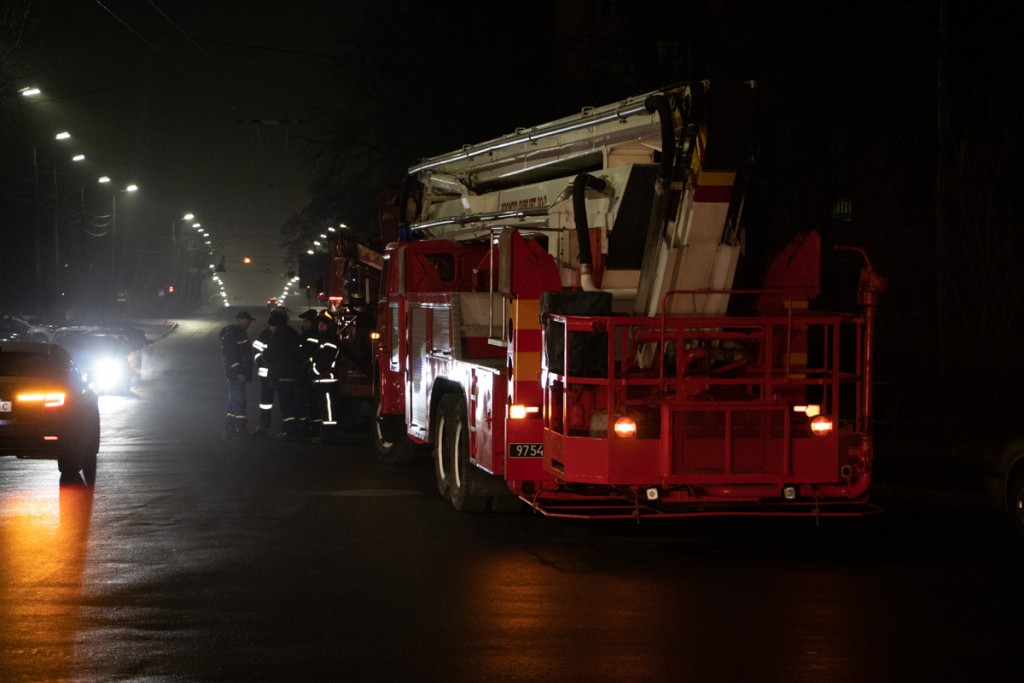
{"type": "Point", "coordinates": [309, 315]}
{"type": "Point", "coordinates": [282, 310]}
{"type": "Point", "coordinates": [325, 317]}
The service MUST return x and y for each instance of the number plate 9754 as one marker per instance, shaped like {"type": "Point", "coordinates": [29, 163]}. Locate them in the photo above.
{"type": "Point", "coordinates": [526, 450]}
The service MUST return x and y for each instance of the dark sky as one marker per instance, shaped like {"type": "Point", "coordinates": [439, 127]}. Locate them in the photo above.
{"type": "Point", "coordinates": [183, 98]}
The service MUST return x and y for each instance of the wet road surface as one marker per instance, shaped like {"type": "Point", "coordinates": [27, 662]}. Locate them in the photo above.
{"type": "Point", "coordinates": [198, 560]}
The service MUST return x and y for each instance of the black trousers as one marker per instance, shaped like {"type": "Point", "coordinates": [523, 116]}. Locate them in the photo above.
{"type": "Point", "coordinates": [286, 389]}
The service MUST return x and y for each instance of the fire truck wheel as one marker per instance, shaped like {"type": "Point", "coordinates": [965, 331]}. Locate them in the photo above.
{"type": "Point", "coordinates": [1015, 502]}
{"type": "Point", "coordinates": [443, 446]}
{"type": "Point", "coordinates": [462, 474]}
{"type": "Point", "coordinates": [389, 449]}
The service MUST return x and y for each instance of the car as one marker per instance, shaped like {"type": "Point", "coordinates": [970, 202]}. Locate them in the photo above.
{"type": "Point", "coordinates": [13, 328]}
{"type": "Point", "coordinates": [138, 345]}
{"type": "Point", "coordinates": [103, 357]}
{"type": "Point", "coordinates": [47, 408]}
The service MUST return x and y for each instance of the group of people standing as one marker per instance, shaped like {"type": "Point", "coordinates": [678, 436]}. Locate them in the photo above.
{"type": "Point", "coordinates": [300, 369]}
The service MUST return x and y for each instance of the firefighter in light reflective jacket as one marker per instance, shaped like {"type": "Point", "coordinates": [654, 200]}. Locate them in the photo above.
{"type": "Point", "coordinates": [325, 376]}
{"type": "Point", "coordinates": [308, 397]}
{"type": "Point", "coordinates": [266, 390]}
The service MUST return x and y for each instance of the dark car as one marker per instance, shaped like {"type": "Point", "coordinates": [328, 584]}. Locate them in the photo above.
{"type": "Point", "coordinates": [47, 409]}
{"type": "Point", "coordinates": [13, 328]}
{"type": "Point", "coordinates": [102, 357]}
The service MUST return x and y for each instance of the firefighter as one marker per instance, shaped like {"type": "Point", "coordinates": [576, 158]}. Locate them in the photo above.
{"type": "Point", "coordinates": [283, 356]}
{"type": "Point", "coordinates": [266, 412]}
{"type": "Point", "coordinates": [308, 399]}
{"type": "Point", "coordinates": [325, 373]}
{"type": "Point", "coordinates": [237, 352]}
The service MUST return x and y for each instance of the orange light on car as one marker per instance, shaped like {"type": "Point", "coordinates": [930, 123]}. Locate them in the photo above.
{"type": "Point", "coordinates": [49, 399]}
{"type": "Point", "coordinates": [518, 411]}
{"type": "Point", "coordinates": [821, 426]}
{"type": "Point", "coordinates": [625, 428]}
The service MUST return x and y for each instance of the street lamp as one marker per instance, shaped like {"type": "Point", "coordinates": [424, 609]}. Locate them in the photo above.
{"type": "Point", "coordinates": [131, 187]}
{"type": "Point", "coordinates": [63, 135]}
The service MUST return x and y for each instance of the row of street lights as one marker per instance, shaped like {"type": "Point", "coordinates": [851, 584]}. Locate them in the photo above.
{"type": "Point", "coordinates": [188, 250]}
{"type": "Point", "coordinates": [55, 283]}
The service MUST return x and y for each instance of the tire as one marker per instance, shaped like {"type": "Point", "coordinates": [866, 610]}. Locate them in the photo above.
{"type": "Point", "coordinates": [82, 456]}
{"type": "Point", "coordinates": [442, 450]}
{"type": "Point", "coordinates": [462, 473]}
{"type": "Point", "coordinates": [390, 449]}
{"type": "Point", "coordinates": [1015, 502]}
{"type": "Point", "coordinates": [89, 457]}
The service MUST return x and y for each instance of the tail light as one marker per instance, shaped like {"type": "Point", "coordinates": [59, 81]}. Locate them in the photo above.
{"type": "Point", "coordinates": [518, 411]}
{"type": "Point", "coordinates": [49, 399]}
{"type": "Point", "coordinates": [821, 426]}
{"type": "Point", "coordinates": [625, 428]}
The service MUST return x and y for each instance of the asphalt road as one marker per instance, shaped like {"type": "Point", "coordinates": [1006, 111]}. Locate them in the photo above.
{"type": "Point", "coordinates": [198, 560]}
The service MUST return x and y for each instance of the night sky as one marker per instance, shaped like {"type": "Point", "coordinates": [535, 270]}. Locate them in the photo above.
{"type": "Point", "coordinates": [169, 95]}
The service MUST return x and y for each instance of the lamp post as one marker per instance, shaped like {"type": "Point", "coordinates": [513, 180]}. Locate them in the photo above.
{"type": "Point", "coordinates": [63, 135]}
{"type": "Point", "coordinates": [130, 187]}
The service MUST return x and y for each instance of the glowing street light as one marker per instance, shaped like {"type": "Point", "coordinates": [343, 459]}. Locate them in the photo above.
{"type": "Point", "coordinates": [103, 179]}
{"type": "Point", "coordinates": [30, 91]}
{"type": "Point", "coordinates": [78, 157]}
{"type": "Point", "coordinates": [63, 135]}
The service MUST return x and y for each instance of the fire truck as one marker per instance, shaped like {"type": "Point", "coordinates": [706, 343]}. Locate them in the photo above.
{"type": "Point", "coordinates": [349, 290]}
{"type": "Point", "coordinates": [558, 326]}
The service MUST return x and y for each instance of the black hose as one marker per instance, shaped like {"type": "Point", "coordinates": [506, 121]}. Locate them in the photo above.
{"type": "Point", "coordinates": [579, 211]}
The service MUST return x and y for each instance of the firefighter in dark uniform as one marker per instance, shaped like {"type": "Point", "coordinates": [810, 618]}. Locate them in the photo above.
{"type": "Point", "coordinates": [307, 395]}
{"type": "Point", "coordinates": [237, 352]}
{"type": "Point", "coordinates": [266, 412]}
{"type": "Point", "coordinates": [283, 356]}
{"type": "Point", "coordinates": [325, 373]}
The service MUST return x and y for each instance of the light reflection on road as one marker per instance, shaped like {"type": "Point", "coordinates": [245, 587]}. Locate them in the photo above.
{"type": "Point", "coordinates": [44, 533]}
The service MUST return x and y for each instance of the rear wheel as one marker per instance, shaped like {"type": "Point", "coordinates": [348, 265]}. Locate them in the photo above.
{"type": "Point", "coordinates": [443, 446]}
{"type": "Point", "coordinates": [81, 457]}
{"type": "Point", "coordinates": [463, 473]}
{"type": "Point", "coordinates": [390, 444]}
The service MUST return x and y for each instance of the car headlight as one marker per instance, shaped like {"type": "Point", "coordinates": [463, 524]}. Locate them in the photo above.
{"type": "Point", "coordinates": [107, 373]}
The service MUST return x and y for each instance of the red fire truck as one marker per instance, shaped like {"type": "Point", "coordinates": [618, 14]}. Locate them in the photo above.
{"type": "Point", "coordinates": [559, 327]}
{"type": "Point", "coordinates": [350, 290]}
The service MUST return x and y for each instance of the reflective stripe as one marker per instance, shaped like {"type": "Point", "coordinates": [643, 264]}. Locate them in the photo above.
{"type": "Point", "coordinates": [258, 345]}
{"type": "Point", "coordinates": [264, 372]}
{"type": "Point", "coordinates": [329, 345]}
{"type": "Point", "coordinates": [325, 381]}
{"type": "Point", "coordinates": [266, 406]}
{"type": "Point", "coordinates": [329, 418]}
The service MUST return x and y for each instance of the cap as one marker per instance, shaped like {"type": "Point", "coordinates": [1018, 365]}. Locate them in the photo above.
{"type": "Point", "coordinates": [277, 319]}
{"type": "Point", "coordinates": [243, 315]}
{"type": "Point", "coordinates": [309, 315]}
